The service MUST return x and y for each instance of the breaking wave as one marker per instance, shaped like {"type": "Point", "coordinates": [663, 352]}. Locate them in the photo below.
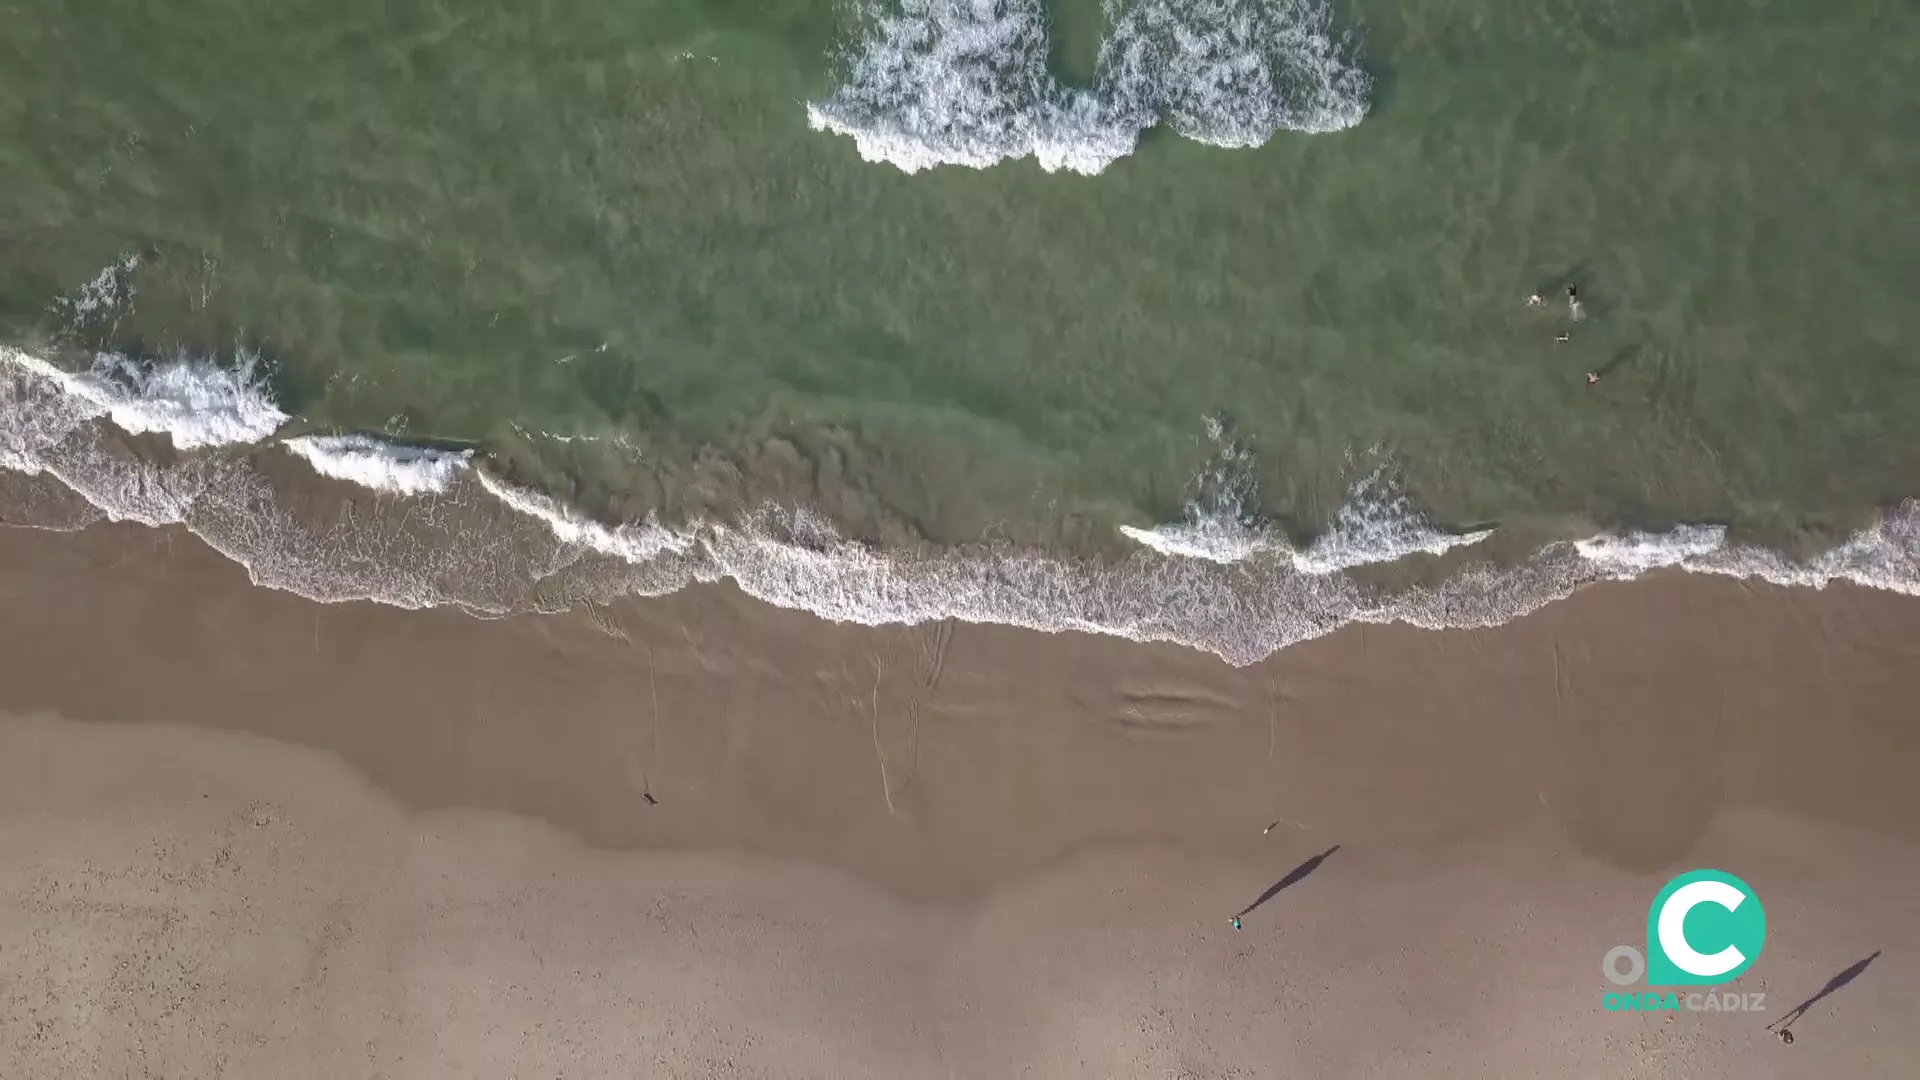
{"type": "Point", "coordinates": [966, 82]}
{"type": "Point", "coordinates": [1378, 525]}
{"type": "Point", "coordinates": [380, 465]}
{"type": "Point", "coordinates": [452, 534]}
{"type": "Point", "coordinates": [193, 403]}
{"type": "Point", "coordinates": [1221, 521]}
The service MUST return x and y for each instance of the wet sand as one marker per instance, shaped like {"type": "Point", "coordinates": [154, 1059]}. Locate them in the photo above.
{"type": "Point", "coordinates": [242, 834]}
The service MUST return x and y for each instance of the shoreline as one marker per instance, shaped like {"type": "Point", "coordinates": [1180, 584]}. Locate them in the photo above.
{"type": "Point", "coordinates": [420, 841]}
{"type": "Point", "coordinates": [946, 539]}
{"type": "Point", "coordinates": [347, 517]}
{"type": "Point", "coordinates": [1602, 673]}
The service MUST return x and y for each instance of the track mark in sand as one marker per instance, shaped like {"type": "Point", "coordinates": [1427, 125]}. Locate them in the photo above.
{"type": "Point", "coordinates": [141, 549]}
{"type": "Point", "coordinates": [915, 706]}
{"type": "Point", "coordinates": [931, 665]}
{"type": "Point", "coordinates": [1177, 696]}
{"type": "Point", "coordinates": [934, 653]}
{"type": "Point", "coordinates": [601, 615]}
{"type": "Point", "coordinates": [1139, 722]}
{"type": "Point", "coordinates": [1559, 686]}
{"type": "Point", "coordinates": [1190, 704]}
{"type": "Point", "coordinates": [650, 759]}
{"type": "Point", "coordinates": [1273, 714]}
{"type": "Point", "coordinates": [930, 662]}
{"type": "Point", "coordinates": [879, 751]}
{"type": "Point", "coordinates": [1155, 709]}
{"type": "Point", "coordinates": [653, 755]}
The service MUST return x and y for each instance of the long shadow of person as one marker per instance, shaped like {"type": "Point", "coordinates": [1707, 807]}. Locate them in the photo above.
{"type": "Point", "coordinates": [1781, 1025]}
{"type": "Point", "coordinates": [1293, 877]}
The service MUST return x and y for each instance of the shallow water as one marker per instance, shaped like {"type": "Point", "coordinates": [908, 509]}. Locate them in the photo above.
{"type": "Point", "coordinates": [608, 250]}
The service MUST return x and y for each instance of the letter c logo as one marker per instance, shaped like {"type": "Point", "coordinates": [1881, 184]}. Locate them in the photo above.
{"type": "Point", "coordinates": [1728, 929]}
{"type": "Point", "coordinates": [1673, 928]}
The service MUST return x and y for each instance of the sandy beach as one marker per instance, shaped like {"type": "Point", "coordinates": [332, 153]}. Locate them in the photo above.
{"type": "Point", "coordinates": [959, 539]}
{"type": "Point", "coordinates": [242, 834]}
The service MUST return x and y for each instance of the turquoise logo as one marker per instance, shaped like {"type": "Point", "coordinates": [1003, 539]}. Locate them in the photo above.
{"type": "Point", "coordinates": [1704, 928]}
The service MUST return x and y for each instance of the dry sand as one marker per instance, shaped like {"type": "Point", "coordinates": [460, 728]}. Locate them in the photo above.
{"type": "Point", "coordinates": [246, 835]}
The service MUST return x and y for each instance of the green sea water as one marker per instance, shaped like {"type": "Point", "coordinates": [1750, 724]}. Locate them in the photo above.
{"type": "Point", "coordinates": [523, 224]}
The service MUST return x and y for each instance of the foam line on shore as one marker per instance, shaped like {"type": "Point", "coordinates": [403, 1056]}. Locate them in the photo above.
{"type": "Point", "coordinates": [452, 533]}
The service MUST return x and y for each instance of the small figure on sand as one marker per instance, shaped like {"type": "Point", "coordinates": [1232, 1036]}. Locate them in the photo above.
{"type": "Point", "coordinates": [1573, 303]}
{"type": "Point", "coordinates": [1236, 922]}
{"type": "Point", "coordinates": [1783, 1026]}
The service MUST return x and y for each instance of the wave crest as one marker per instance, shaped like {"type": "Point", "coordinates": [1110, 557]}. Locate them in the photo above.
{"type": "Point", "coordinates": [380, 465]}
{"type": "Point", "coordinates": [1222, 523]}
{"type": "Point", "coordinates": [966, 82]}
{"type": "Point", "coordinates": [194, 403]}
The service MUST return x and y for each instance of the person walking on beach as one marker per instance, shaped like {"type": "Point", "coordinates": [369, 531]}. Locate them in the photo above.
{"type": "Point", "coordinates": [1783, 1027]}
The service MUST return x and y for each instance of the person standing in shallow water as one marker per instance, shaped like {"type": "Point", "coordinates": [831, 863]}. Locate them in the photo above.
{"type": "Point", "coordinates": [1573, 303]}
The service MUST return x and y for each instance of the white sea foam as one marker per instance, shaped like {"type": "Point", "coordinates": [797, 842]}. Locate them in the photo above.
{"type": "Point", "coordinates": [966, 82]}
{"type": "Point", "coordinates": [636, 543]}
{"type": "Point", "coordinates": [1221, 523]}
{"type": "Point", "coordinates": [47, 418]}
{"type": "Point", "coordinates": [380, 465]}
{"type": "Point", "coordinates": [195, 403]}
{"type": "Point", "coordinates": [1372, 526]}
{"type": "Point", "coordinates": [1220, 540]}
{"type": "Point", "coordinates": [1635, 553]}
{"type": "Point", "coordinates": [109, 290]}
{"type": "Point", "coordinates": [1378, 525]}
{"type": "Point", "coordinates": [467, 538]}
{"type": "Point", "coordinates": [1233, 72]}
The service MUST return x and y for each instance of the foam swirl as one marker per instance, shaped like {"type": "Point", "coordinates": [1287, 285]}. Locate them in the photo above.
{"type": "Point", "coordinates": [966, 82]}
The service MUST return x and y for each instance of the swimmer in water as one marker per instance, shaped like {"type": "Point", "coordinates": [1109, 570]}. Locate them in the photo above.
{"type": "Point", "coordinates": [1573, 304]}
{"type": "Point", "coordinates": [1535, 300]}
{"type": "Point", "coordinates": [1593, 378]}
{"type": "Point", "coordinates": [1563, 336]}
